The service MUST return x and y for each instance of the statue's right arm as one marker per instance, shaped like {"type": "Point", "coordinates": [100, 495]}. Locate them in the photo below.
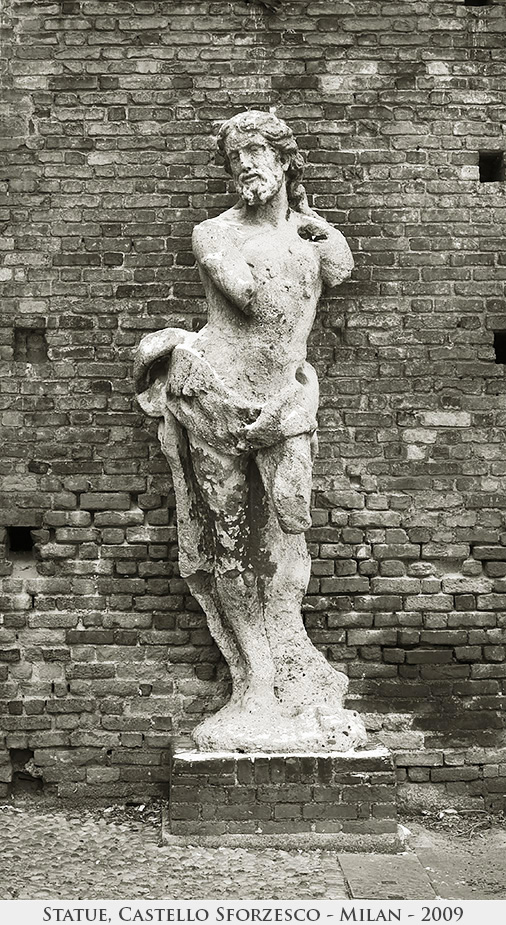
{"type": "Point", "coordinates": [219, 257]}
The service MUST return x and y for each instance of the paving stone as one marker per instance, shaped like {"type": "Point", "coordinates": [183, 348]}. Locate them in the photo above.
{"type": "Point", "coordinates": [445, 879]}
{"type": "Point", "coordinates": [399, 876]}
{"type": "Point", "coordinates": [467, 866]}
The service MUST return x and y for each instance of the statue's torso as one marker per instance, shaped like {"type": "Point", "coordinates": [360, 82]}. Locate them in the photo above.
{"type": "Point", "coordinates": [259, 352]}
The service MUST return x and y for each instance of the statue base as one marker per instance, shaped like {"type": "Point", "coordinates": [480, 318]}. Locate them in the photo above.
{"type": "Point", "coordinates": [343, 800]}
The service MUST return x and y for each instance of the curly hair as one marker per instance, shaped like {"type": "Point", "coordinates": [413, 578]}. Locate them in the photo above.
{"type": "Point", "coordinates": [279, 136]}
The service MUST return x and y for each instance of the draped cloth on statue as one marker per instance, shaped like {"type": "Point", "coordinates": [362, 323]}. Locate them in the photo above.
{"type": "Point", "coordinates": [174, 382]}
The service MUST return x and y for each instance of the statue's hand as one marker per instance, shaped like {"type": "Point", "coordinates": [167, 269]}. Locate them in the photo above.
{"type": "Point", "coordinates": [336, 261]}
{"type": "Point", "coordinates": [312, 228]}
{"type": "Point", "coordinates": [259, 432]}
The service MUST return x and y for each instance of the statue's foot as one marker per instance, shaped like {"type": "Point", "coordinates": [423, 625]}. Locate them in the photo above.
{"type": "Point", "coordinates": [243, 724]}
{"type": "Point", "coordinates": [304, 678]}
{"type": "Point", "coordinates": [341, 730]}
{"type": "Point", "coordinates": [313, 729]}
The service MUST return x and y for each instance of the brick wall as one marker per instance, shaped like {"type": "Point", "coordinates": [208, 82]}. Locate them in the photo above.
{"type": "Point", "coordinates": [108, 107]}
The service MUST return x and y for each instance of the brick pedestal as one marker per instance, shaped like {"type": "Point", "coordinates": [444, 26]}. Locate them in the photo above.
{"type": "Point", "coordinates": [268, 797]}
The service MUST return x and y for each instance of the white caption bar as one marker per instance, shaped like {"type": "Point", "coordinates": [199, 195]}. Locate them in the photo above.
{"type": "Point", "coordinates": [215, 912]}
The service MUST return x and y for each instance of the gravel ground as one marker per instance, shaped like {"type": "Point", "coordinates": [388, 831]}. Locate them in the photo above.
{"type": "Point", "coordinates": [49, 851]}
{"type": "Point", "coordinates": [115, 853]}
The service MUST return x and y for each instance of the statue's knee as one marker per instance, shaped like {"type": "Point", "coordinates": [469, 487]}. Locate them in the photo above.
{"type": "Point", "coordinates": [292, 507]}
{"type": "Point", "coordinates": [291, 494]}
{"type": "Point", "coordinates": [293, 515]}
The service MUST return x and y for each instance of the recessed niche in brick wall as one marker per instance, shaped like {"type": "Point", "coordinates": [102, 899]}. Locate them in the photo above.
{"type": "Point", "coordinates": [30, 345]}
{"type": "Point", "coordinates": [477, 2]}
{"type": "Point", "coordinates": [20, 541]}
{"type": "Point", "coordinates": [500, 346]}
{"type": "Point", "coordinates": [491, 164]}
{"type": "Point", "coordinates": [23, 780]}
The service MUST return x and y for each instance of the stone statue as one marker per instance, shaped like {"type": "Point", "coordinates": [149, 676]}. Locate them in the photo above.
{"type": "Point", "coordinates": [237, 403]}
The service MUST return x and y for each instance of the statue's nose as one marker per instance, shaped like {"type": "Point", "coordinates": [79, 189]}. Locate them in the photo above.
{"type": "Point", "coordinates": [245, 159]}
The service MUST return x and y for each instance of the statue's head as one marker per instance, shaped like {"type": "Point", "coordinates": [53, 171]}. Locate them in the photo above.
{"type": "Point", "coordinates": [260, 153]}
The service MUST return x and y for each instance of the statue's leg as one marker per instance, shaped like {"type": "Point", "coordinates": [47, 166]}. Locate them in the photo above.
{"type": "Point", "coordinates": [196, 559]}
{"type": "Point", "coordinates": [308, 688]}
{"type": "Point", "coordinates": [224, 490]}
{"type": "Point", "coordinates": [286, 470]}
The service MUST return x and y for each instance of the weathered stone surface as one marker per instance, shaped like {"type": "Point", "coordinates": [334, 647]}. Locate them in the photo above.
{"type": "Point", "coordinates": [237, 403]}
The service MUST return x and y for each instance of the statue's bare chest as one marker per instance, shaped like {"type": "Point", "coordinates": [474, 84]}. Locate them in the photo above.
{"type": "Point", "coordinates": [282, 257]}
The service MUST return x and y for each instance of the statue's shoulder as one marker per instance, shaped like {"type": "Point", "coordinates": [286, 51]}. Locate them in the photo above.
{"type": "Point", "coordinates": [224, 222]}
{"type": "Point", "coordinates": [215, 230]}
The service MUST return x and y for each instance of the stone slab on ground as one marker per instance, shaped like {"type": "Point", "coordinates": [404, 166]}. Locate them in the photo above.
{"type": "Point", "coordinates": [445, 878]}
{"type": "Point", "coordinates": [225, 794]}
{"type": "Point", "coordinates": [381, 877]}
{"type": "Point", "coordinates": [308, 841]}
{"type": "Point", "coordinates": [463, 866]}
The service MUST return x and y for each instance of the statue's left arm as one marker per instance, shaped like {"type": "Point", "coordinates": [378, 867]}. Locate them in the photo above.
{"type": "Point", "coordinates": [336, 261]}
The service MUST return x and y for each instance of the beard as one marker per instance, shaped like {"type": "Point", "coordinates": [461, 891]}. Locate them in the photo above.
{"type": "Point", "coordinates": [260, 188]}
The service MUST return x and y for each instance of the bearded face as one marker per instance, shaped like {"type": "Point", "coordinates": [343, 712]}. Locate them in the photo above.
{"type": "Point", "coordinates": [256, 167]}
{"type": "Point", "coordinates": [259, 188]}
